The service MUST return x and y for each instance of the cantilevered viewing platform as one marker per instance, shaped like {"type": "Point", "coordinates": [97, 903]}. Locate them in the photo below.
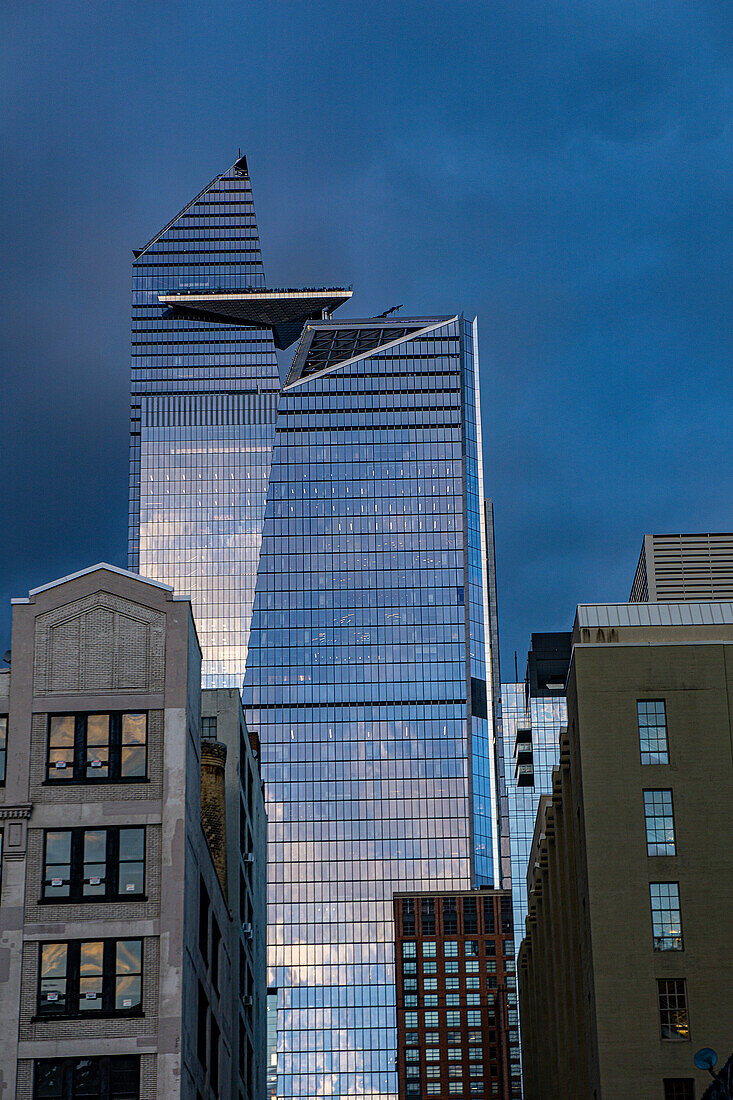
{"type": "Point", "coordinates": [283, 311]}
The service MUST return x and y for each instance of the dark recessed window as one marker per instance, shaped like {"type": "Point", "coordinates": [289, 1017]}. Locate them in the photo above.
{"type": "Point", "coordinates": [673, 1019]}
{"type": "Point", "coordinates": [3, 746]}
{"type": "Point", "coordinates": [93, 864]}
{"type": "Point", "coordinates": [90, 977]}
{"type": "Point", "coordinates": [115, 1078]}
{"type": "Point", "coordinates": [679, 1088]}
{"type": "Point", "coordinates": [427, 916]}
{"type": "Point", "coordinates": [489, 920]}
{"type": "Point", "coordinates": [470, 916]}
{"type": "Point", "coordinates": [408, 917]}
{"type": "Point", "coordinates": [450, 917]}
{"type": "Point", "coordinates": [94, 747]}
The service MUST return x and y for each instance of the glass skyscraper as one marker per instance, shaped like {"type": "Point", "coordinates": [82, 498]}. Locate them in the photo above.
{"type": "Point", "coordinates": [369, 678]}
{"type": "Point", "coordinates": [205, 385]}
{"type": "Point", "coordinates": [533, 714]}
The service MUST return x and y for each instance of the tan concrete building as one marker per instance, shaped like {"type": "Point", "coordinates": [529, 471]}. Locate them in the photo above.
{"type": "Point", "coordinates": [118, 944]}
{"type": "Point", "coordinates": [627, 965]}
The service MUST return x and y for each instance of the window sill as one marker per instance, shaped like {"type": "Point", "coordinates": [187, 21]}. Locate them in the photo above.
{"type": "Point", "coordinates": [126, 779]}
{"type": "Point", "coordinates": [113, 898]}
{"type": "Point", "coordinates": [49, 1017]}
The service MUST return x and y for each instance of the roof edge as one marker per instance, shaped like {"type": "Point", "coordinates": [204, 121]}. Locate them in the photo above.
{"type": "Point", "coordinates": [93, 569]}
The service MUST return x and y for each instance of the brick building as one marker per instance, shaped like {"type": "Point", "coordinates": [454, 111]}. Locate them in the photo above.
{"type": "Point", "coordinates": [119, 952]}
{"type": "Point", "coordinates": [626, 968]}
{"type": "Point", "coordinates": [457, 1032]}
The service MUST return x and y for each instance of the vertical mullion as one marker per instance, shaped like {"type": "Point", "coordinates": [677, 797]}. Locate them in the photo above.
{"type": "Point", "coordinates": [76, 886]}
{"type": "Point", "coordinates": [73, 956]}
{"type": "Point", "coordinates": [80, 746]}
{"type": "Point", "coordinates": [109, 976]}
{"type": "Point", "coordinates": [113, 862]}
{"type": "Point", "coordinates": [115, 745]}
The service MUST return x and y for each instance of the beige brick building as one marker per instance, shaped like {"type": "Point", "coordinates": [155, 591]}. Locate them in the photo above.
{"type": "Point", "coordinates": [627, 965]}
{"type": "Point", "coordinates": [119, 951]}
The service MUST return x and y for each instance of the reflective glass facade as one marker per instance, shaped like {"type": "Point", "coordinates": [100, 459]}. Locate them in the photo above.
{"type": "Point", "coordinates": [546, 717]}
{"type": "Point", "coordinates": [204, 398]}
{"type": "Point", "coordinates": [367, 680]}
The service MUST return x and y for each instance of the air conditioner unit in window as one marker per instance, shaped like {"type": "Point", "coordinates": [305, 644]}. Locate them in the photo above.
{"type": "Point", "coordinates": [247, 930]}
{"type": "Point", "coordinates": [247, 1000]}
{"type": "Point", "coordinates": [248, 857]}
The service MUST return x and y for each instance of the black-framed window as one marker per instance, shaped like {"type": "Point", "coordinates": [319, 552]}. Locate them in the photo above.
{"type": "Point", "coordinates": [3, 747]}
{"type": "Point", "coordinates": [93, 864]}
{"type": "Point", "coordinates": [90, 978]}
{"type": "Point", "coordinates": [674, 1021]}
{"type": "Point", "coordinates": [652, 719]}
{"type": "Point", "coordinates": [86, 748]}
{"type": "Point", "coordinates": [105, 1078]}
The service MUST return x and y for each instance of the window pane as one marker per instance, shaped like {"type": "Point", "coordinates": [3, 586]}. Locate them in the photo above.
{"type": "Point", "coordinates": [673, 1019]}
{"type": "Point", "coordinates": [659, 818]}
{"type": "Point", "coordinates": [97, 746]}
{"type": "Point", "coordinates": [91, 976]}
{"type": "Point", "coordinates": [666, 916]}
{"type": "Point", "coordinates": [57, 874]}
{"type": "Point", "coordinates": [53, 978]}
{"type": "Point", "coordinates": [61, 747]}
{"type": "Point", "coordinates": [134, 736]}
{"type": "Point", "coordinates": [124, 1078]}
{"type": "Point", "coordinates": [652, 731]}
{"type": "Point", "coordinates": [95, 862]}
{"type": "Point", "coordinates": [87, 1078]}
{"type": "Point", "coordinates": [49, 1080]}
{"type": "Point", "coordinates": [128, 991]}
{"type": "Point", "coordinates": [132, 861]}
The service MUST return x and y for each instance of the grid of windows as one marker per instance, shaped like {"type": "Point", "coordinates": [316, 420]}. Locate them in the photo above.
{"type": "Point", "coordinates": [362, 637]}
{"type": "Point", "coordinates": [673, 1019]}
{"type": "Point", "coordinates": [112, 1078]}
{"type": "Point", "coordinates": [652, 720]}
{"type": "Point", "coordinates": [202, 422]}
{"type": "Point", "coordinates": [666, 916]}
{"type": "Point", "coordinates": [90, 977]}
{"type": "Point", "coordinates": [93, 864]}
{"type": "Point", "coordinates": [86, 747]}
{"type": "Point", "coordinates": [659, 818]}
{"type": "Point", "coordinates": [475, 1040]}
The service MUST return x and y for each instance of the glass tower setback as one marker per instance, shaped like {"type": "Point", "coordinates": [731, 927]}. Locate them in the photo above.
{"type": "Point", "coordinates": [369, 678]}
{"type": "Point", "coordinates": [203, 406]}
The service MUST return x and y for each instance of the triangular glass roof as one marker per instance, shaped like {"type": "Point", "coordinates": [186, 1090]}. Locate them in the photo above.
{"type": "Point", "coordinates": [327, 345]}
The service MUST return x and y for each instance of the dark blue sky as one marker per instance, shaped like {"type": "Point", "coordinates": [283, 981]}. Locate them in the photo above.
{"type": "Point", "coordinates": [563, 170]}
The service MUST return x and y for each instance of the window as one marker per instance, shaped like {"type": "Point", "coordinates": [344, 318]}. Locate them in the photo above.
{"type": "Point", "coordinates": [652, 731]}
{"type": "Point", "coordinates": [3, 746]}
{"type": "Point", "coordinates": [427, 916]}
{"type": "Point", "coordinates": [679, 1088]}
{"type": "Point", "coordinates": [83, 977]}
{"type": "Point", "coordinates": [208, 729]}
{"type": "Point", "coordinates": [115, 1078]}
{"type": "Point", "coordinates": [95, 747]}
{"type": "Point", "coordinates": [666, 916]}
{"type": "Point", "coordinates": [470, 916]}
{"type": "Point", "coordinates": [507, 923]}
{"type": "Point", "coordinates": [489, 918]}
{"type": "Point", "coordinates": [450, 917]}
{"type": "Point", "coordinates": [93, 864]}
{"type": "Point", "coordinates": [409, 950]}
{"type": "Point", "coordinates": [408, 917]}
{"type": "Point", "coordinates": [673, 1019]}
{"type": "Point", "coordinates": [659, 818]}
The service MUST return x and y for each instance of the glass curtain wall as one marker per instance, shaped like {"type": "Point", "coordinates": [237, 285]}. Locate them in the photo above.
{"type": "Point", "coordinates": [204, 399]}
{"type": "Point", "coordinates": [366, 679]}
